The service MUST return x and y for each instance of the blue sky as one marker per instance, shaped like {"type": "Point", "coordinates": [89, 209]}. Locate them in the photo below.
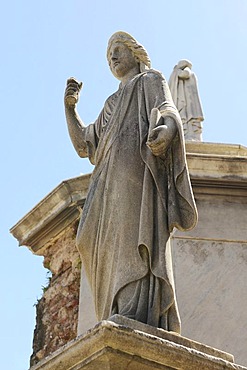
{"type": "Point", "coordinates": [45, 42]}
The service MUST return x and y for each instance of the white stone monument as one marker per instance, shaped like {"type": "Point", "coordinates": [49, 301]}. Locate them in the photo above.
{"type": "Point", "coordinates": [184, 90]}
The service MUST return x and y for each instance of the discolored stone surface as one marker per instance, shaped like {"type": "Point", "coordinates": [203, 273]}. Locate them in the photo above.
{"type": "Point", "coordinates": [57, 310]}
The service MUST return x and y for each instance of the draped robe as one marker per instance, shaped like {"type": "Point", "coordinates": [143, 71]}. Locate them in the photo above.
{"type": "Point", "coordinates": [185, 94]}
{"type": "Point", "coordinates": [134, 201]}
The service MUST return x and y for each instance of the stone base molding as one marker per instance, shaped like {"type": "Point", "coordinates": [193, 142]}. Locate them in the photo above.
{"type": "Point", "coordinates": [121, 343]}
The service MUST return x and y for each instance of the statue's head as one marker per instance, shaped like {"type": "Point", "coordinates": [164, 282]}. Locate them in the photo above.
{"type": "Point", "coordinates": [184, 63]}
{"type": "Point", "coordinates": [130, 48]}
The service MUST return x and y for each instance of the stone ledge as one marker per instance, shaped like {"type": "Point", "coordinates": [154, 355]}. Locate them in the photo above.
{"type": "Point", "coordinates": [110, 345]}
{"type": "Point", "coordinates": [217, 149]}
{"type": "Point", "coordinates": [52, 214]}
{"type": "Point", "coordinates": [217, 168]}
{"type": "Point", "coordinates": [170, 336]}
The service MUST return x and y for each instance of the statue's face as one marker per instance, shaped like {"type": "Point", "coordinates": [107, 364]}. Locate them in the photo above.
{"type": "Point", "coordinates": [121, 60]}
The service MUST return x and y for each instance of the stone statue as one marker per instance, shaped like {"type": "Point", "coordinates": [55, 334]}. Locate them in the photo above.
{"type": "Point", "coordinates": [140, 190]}
{"type": "Point", "coordinates": [184, 90]}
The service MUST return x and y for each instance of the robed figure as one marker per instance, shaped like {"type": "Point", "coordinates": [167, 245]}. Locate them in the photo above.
{"type": "Point", "coordinates": [139, 191]}
{"type": "Point", "coordinates": [184, 90]}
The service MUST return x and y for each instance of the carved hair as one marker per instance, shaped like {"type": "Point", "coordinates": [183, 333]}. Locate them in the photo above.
{"type": "Point", "coordinates": [137, 49]}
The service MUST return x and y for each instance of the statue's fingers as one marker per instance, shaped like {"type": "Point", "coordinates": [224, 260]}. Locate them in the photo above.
{"type": "Point", "coordinates": [154, 134]}
{"type": "Point", "coordinates": [73, 85]}
{"type": "Point", "coordinates": [151, 139]}
{"type": "Point", "coordinates": [158, 150]}
{"type": "Point", "coordinates": [72, 80]}
{"type": "Point", "coordinates": [154, 144]}
{"type": "Point", "coordinates": [159, 146]}
{"type": "Point", "coordinates": [70, 92]}
{"type": "Point", "coordinates": [72, 88]}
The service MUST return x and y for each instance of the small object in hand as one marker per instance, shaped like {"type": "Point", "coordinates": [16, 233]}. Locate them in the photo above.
{"type": "Point", "coordinates": [75, 87]}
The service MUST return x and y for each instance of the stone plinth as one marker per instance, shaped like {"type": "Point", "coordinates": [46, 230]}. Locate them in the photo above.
{"type": "Point", "coordinates": [120, 344]}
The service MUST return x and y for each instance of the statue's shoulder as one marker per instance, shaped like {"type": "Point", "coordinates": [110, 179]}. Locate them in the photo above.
{"type": "Point", "coordinates": [111, 98]}
{"type": "Point", "coordinates": [153, 75]}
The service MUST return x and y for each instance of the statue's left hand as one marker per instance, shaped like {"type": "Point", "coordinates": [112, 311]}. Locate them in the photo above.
{"type": "Point", "coordinates": [161, 132]}
{"type": "Point", "coordinates": [157, 140]}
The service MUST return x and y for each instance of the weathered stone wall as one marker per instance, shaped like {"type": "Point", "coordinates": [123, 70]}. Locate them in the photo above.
{"type": "Point", "coordinates": [57, 310]}
{"type": "Point", "coordinates": [210, 266]}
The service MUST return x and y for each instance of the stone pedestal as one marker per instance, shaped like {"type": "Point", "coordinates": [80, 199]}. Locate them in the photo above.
{"type": "Point", "coordinates": [121, 343]}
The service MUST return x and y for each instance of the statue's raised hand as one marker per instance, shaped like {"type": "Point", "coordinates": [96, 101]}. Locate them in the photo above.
{"type": "Point", "coordinates": [72, 92]}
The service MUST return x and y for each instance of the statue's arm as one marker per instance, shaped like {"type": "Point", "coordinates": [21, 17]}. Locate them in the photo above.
{"type": "Point", "coordinates": [76, 130]}
{"type": "Point", "coordinates": [76, 127]}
